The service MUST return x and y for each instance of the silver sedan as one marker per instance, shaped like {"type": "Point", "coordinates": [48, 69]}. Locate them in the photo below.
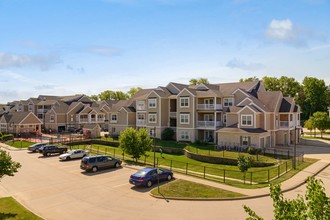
{"type": "Point", "coordinates": [74, 154]}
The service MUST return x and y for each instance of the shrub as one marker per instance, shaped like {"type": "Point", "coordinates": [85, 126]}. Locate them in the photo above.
{"type": "Point", "coordinates": [167, 134]}
{"type": "Point", "coordinates": [251, 150]}
{"type": "Point", "coordinates": [6, 137]}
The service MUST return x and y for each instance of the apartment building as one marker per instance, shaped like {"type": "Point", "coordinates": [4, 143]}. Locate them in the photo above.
{"type": "Point", "coordinates": [227, 114]}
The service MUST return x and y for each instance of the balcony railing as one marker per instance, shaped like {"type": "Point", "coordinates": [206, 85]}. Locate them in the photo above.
{"type": "Point", "coordinates": [209, 107]}
{"type": "Point", "coordinates": [83, 120]}
{"type": "Point", "coordinates": [286, 124]}
{"type": "Point", "coordinates": [208, 124]}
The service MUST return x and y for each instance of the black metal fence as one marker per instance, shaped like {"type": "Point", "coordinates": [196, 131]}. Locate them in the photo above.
{"type": "Point", "coordinates": [256, 176]}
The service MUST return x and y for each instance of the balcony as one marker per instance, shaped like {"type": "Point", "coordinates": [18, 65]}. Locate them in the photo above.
{"type": "Point", "coordinates": [141, 122]}
{"type": "Point", "coordinates": [41, 111]}
{"type": "Point", "coordinates": [208, 124]}
{"type": "Point", "coordinates": [83, 120]}
{"type": "Point", "coordinates": [209, 107]}
{"type": "Point", "coordinates": [286, 124]}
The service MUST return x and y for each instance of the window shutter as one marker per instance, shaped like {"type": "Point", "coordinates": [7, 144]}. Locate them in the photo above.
{"type": "Point", "coordinates": [241, 140]}
{"type": "Point", "coordinates": [249, 141]}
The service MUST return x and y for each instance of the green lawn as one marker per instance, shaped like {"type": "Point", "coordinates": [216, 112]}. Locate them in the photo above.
{"type": "Point", "coordinates": [187, 189]}
{"type": "Point", "coordinates": [11, 209]}
{"type": "Point", "coordinates": [180, 163]}
{"type": "Point", "coordinates": [19, 144]}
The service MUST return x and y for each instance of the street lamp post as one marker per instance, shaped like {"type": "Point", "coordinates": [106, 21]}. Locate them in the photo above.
{"type": "Point", "coordinates": [295, 148]}
{"type": "Point", "coordinates": [154, 129]}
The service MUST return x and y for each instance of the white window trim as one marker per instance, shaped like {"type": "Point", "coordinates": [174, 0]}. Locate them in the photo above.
{"type": "Point", "coordinates": [184, 135]}
{"type": "Point", "coordinates": [149, 102]}
{"type": "Point", "coordinates": [149, 117]}
{"type": "Point", "coordinates": [184, 106]}
{"type": "Point", "coordinates": [181, 117]}
{"type": "Point", "coordinates": [232, 101]}
{"type": "Point", "coordinates": [250, 125]}
{"type": "Point", "coordinates": [115, 119]}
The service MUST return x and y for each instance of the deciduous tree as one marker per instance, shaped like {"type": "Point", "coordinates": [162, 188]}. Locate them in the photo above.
{"type": "Point", "coordinates": [199, 81]}
{"type": "Point", "coordinates": [132, 91]}
{"type": "Point", "coordinates": [321, 121]}
{"type": "Point", "coordinates": [135, 142]}
{"type": "Point", "coordinates": [316, 206]}
{"type": "Point", "coordinates": [7, 165]}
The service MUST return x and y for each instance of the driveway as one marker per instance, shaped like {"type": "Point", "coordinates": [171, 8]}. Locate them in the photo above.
{"type": "Point", "coordinates": [60, 190]}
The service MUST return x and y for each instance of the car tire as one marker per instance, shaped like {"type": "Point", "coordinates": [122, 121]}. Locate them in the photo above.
{"type": "Point", "coordinates": [149, 183]}
{"type": "Point", "coordinates": [117, 165]}
{"type": "Point", "coordinates": [48, 154]}
{"type": "Point", "coordinates": [94, 169]}
{"type": "Point", "coordinates": [68, 158]}
{"type": "Point", "coordinates": [169, 177]}
{"type": "Point", "coordinates": [45, 155]}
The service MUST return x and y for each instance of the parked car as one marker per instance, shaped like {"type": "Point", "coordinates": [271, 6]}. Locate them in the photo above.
{"type": "Point", "coordinates": [52, 149]}
{"type": "Point", "coordinates": [35, 147]}
{"type": "Point", "coordinates": [74, 154]}
{"type": "Point", "coordinates": [95, 163]}
{"type": "Point", "coordinates": [149, 176]}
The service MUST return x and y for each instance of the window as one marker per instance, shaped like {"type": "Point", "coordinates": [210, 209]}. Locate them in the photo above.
{"type": "Point", "coordinates": [224, 118]}
{"type": "Point", "coordinates": [113, 117]}
{"type": "Point", "coordinates": [184, 102]}
{"type": "Point", "coordinates": [184, 135]}
{"type": "Point", "coordinates": [152, 118]}
{"type": "Point", "coordinates": [246, 120]}
{"type": "Point", "coordinates": [228, 101]}
{"type": "Point", "coordinates": [141, 105]}
{"type": "Point", "coordinates": [184, 118]}
{"type": "Point", "coordinates": [71, 118]}
{"type": "Point", "coordinates": [152, 103]}
{"type": "Point", "coordinates": [141, 116]}
{"type": "Point", "coordinates": [52, 118]}
{"type": "Point", "coordinates": [245, 140]}
{"type": "Point", "coordinates": [30, 107]}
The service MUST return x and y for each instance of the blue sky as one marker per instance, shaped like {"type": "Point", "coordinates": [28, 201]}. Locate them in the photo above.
{"type": "Point", "coordinates": [65, 47]}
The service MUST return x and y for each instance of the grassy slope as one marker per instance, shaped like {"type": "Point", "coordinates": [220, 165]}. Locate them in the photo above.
{"type": "Point", "coordinates": [11, 209]}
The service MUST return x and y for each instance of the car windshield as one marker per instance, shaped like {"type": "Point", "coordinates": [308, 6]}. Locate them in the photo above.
{"type": "Point", "coordinates": [140, 173]}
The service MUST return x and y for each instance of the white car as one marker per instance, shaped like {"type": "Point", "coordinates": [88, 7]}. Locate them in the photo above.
{"type": "Point", "coordinates": [74, 154]}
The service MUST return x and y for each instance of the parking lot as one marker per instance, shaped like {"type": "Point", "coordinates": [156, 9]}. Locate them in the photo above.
{"type": "Point", "coordinates": [57, 189]}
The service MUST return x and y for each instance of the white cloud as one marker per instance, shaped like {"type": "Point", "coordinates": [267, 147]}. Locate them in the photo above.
{"type": "Point", "coordinates": [286, 32]}
{"type": "Point", "coordinates": [281, 30]}
{"type": "Point", "coordinates": [240, 64]}
{"type": "Point", "coordinates": [44, 62]}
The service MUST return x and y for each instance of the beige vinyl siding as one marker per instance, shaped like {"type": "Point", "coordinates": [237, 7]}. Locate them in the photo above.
{"type": "Point", "coordinates": [231, 119]}
{"type": "Point", "coordinates": [61, 118]}
{"type": "Point", "coordinates": [270, 122]}
{"type": "Point", "coordinates": [131, 119]}
{"type": "Point", "coordinates": [260, 121]}
{"type": "Point", "coordinates": [122, 118]}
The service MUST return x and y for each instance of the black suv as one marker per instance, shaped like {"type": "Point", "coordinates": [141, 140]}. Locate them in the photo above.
{"type": "Point", "coordinates": [94, 163]}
